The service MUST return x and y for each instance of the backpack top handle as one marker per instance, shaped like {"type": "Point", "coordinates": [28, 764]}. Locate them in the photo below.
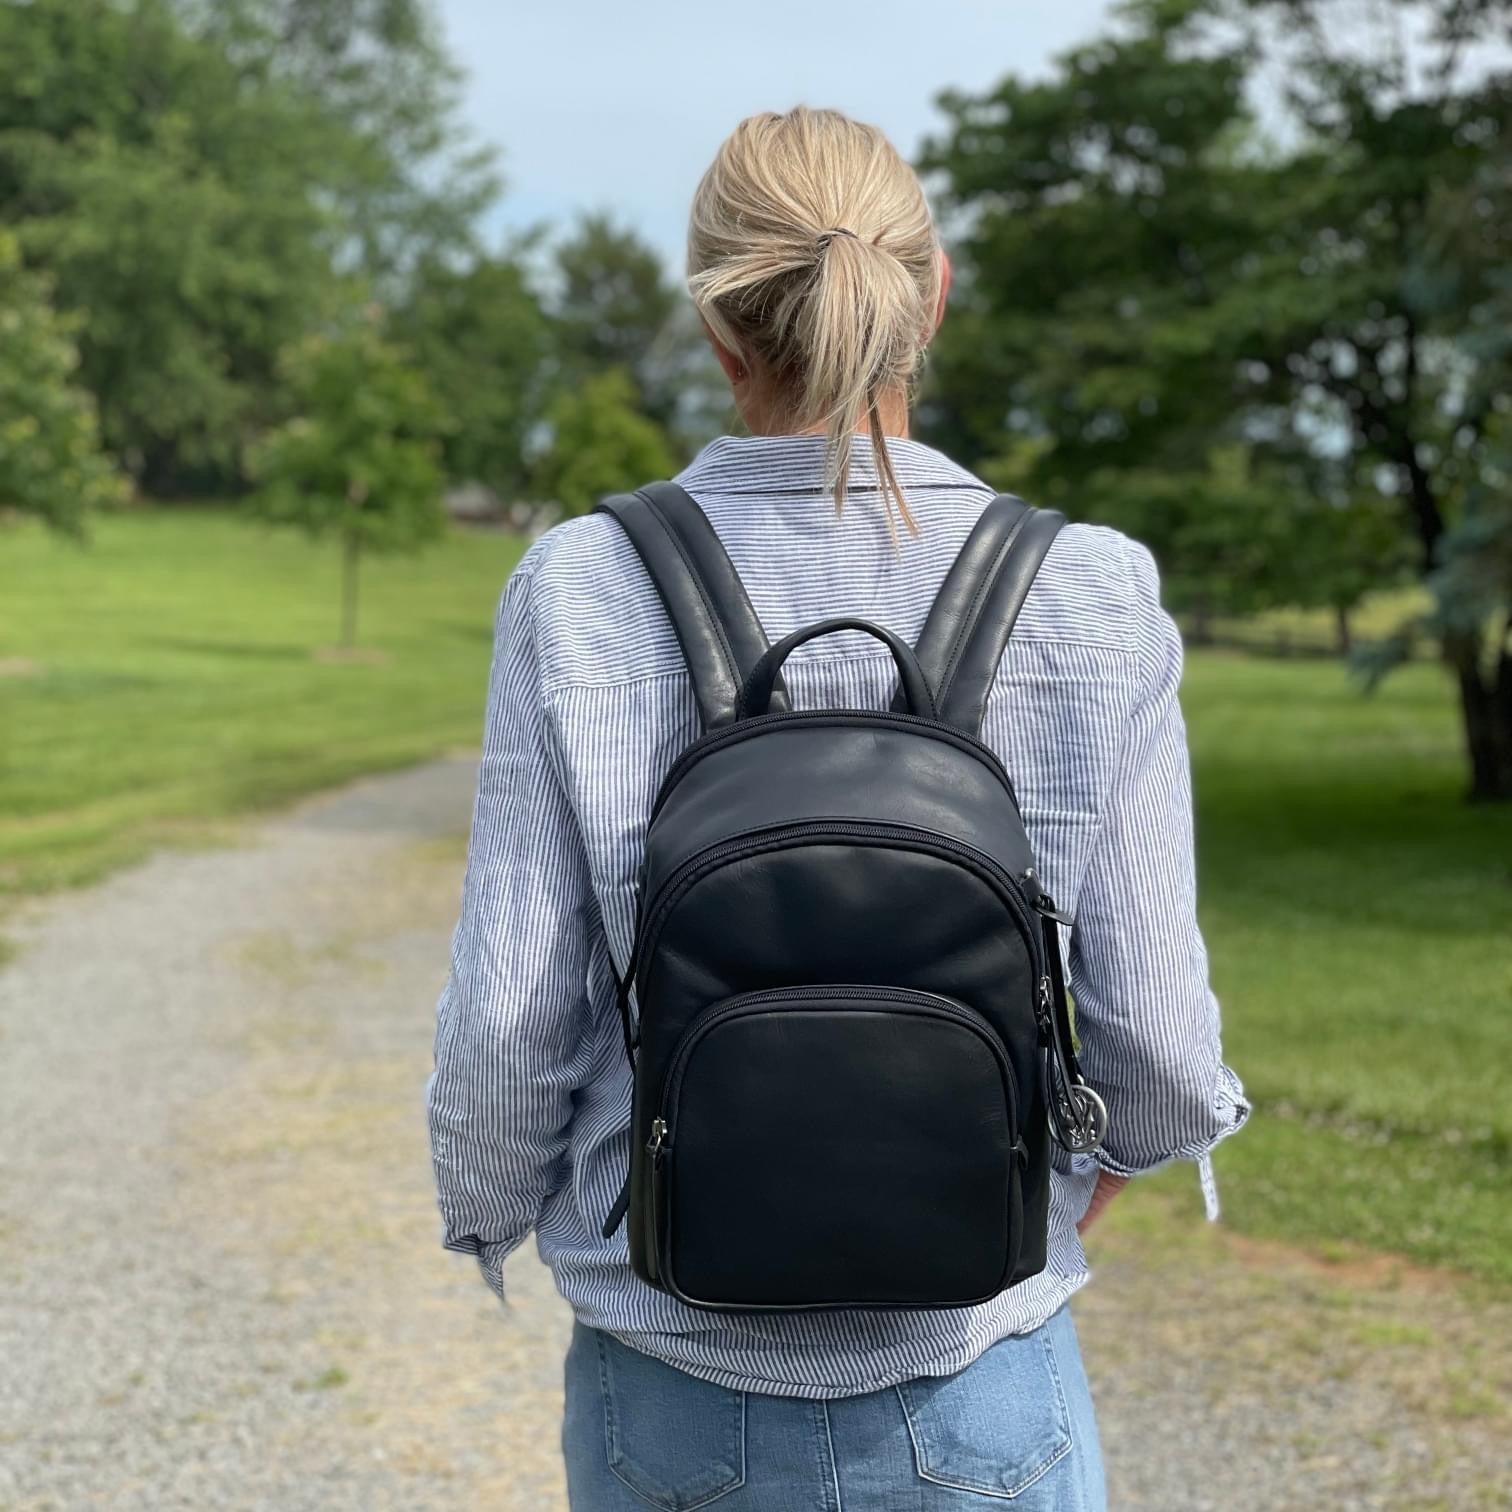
{"type": "Point", "coordinates": [755, 696]}
{"type": "Point", "coordinates": [978, 604]}
{"type": "Point", "coordinates": [720, 635]}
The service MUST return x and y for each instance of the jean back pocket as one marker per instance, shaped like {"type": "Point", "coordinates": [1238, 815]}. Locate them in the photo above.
{"type": "Point", "coordinates": [995, 1428]}
{"type": "Point", "coordinates": [677, 1442]}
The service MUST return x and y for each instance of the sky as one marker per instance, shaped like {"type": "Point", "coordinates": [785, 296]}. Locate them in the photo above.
{"type": "Point", "coordinates": [603, 105]}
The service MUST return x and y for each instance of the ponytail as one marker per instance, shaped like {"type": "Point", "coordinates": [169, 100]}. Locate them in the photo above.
{"type": "Point", "coordinates": [811, 249]}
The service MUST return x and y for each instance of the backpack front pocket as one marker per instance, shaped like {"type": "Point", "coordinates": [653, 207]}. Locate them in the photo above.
{"type": "Point", "coordinates": [837, 1145]}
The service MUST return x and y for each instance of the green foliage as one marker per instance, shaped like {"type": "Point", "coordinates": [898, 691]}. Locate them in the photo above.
{"type": "Point", "coordinates": [484, 343]}
{"type": "Point", "coordinates": [601, 443]}
{"type": "Point", "coordinates": [615, 309]}
{"type": "Point", "coordinates": [205, 184]}
{"type": "Point", "coordinates": [1100, 210]}
{"type": "Point", "coordinates": [1147, 286]}
{"type": "Point", "coordinates": [1091, 207]}
{"type": "Point", "coordinates": [405, 179]}
{"type": "Point", "coordinates": [171, 200]}
{"type": "Point", "coordinates": [1383, 251]}
{"type": "Point", "coordinates": [50, 459]}
{"type": "Point", "coordinates": [360, 460]}
{"type": "Point", "coordinates": [1472, 584]}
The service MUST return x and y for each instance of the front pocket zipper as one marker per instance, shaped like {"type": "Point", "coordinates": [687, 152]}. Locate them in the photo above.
{"type": "Point", "coordinates": [774, 998]}
{"type": "Point", "coordinates": [742, 729]}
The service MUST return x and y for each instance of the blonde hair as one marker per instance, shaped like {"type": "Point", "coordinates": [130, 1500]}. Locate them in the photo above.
{"type": "Point", "coordinates": [812, 250]}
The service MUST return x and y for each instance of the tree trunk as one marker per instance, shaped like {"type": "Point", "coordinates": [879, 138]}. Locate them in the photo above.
{"type": "Point", "coordinates": [1485, 697]}
{"type": "Point", "coordinates": [351, 549]}
{"type": "Point", "coordinates": [1486, 702]}
{"type": "Point", "coordinates": [1343, 630]}
{"type": "Point", "coordinates": [1200, 623]}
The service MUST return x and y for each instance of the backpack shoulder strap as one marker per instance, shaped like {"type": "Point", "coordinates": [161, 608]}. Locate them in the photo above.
{"type": "Point", "coordinates": [717, 628]}
{"type": "Point", "coordinates": [973, 615]}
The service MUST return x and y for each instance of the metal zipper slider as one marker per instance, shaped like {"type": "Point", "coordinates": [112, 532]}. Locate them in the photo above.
{"type": "Point", "coordinates": [1042, 1010]}
{"type": "Point", "coordinates": [1041, 901]}
{"type": "Point", "coordinates": [1044, 905]}
{"type": "Point", "coordinates": [658, 1138]}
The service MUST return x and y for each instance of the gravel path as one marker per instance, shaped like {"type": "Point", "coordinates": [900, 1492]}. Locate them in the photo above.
{"type": "Point", "coordinates": [220, 1285]}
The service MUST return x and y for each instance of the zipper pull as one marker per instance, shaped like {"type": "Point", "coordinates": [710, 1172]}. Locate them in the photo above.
{"type": "Point", "coordinates": [658, 1139]}
{"type": "Point", "coordinates": [1041, 901]}
{"type": "Point", "coordinates": [1042, 1010]}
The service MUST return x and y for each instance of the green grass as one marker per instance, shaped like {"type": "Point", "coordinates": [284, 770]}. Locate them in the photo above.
{"type": "Point", "coordinates": [1358, 915]}
{"type": "Point", "coordinates": [1358, 912]}
{"type": "Point", "coordinates": [172, 678]}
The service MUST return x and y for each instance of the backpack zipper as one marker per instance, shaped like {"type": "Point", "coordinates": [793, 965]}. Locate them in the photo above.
{"type": "Point", "coordinates": [725, 735]}
{"type": "Point", "coordinates": [783, 837]}
{"type": "Point", "coordinates": [1026, 898]}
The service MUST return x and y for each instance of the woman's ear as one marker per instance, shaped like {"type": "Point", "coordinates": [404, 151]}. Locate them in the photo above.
{"type": "Point", "coordinates": [945, 276]}
{"type": "Point", "coordinates": [734, 367]}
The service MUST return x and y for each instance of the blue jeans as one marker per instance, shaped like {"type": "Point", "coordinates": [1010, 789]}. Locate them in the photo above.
{"type": "Point", "coordinates": [1015, 1429]}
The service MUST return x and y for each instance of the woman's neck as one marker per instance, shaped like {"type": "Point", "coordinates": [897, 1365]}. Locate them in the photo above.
{"type": "Point", "coordinates": [892, 409]}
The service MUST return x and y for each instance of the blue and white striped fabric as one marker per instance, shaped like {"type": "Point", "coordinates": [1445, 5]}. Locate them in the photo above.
{"type": "Point", "coordinates": [588, 706]}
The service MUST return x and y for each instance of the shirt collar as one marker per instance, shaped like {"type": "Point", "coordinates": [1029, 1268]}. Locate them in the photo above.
{"type": "Point", "coordinates": [795, 465]}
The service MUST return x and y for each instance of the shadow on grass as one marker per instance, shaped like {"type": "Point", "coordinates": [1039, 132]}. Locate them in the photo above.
{"type": "Point", "coordinates": [474, 633]}
{"type": "Point", "coordinates": [233, 650]}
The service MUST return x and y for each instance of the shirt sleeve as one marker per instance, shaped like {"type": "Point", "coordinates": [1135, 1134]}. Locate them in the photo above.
{"type": "Point", "coordinates": [511, 1023]}
{"type": "Point", "coordinates": [1146, 1019]}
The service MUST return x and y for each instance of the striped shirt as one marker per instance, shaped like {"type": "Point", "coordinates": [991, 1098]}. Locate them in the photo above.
{"type": "Point", "coordinates": [588, 706]}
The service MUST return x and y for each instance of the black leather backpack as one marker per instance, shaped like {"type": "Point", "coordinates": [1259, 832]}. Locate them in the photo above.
{"type": "Point", "coordinates": [851, 1037]}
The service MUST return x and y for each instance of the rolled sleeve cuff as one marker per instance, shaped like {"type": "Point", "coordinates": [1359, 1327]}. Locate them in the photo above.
{"type": "Point", "coordinates": [490, 1257]}
{"type": "Point", "coordinates": [1230, 1109]}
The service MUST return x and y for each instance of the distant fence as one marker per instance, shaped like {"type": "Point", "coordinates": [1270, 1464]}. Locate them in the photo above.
{"type": "Point", "coordinates": [1265, 640]}
{"type": "Point", "coordinates": [1285, 642]}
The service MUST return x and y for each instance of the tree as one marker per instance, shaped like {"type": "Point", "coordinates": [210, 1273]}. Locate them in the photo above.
{"type": "Point", "coordinates": [360, 461]}
{"type": "Point", "coordinates": [50, 459]}
{"type": "Point", "coordinates": [615, 308]}
{"type": "Point", "coordinates": [1148, 287]}
{"type": "Point", "coordinates": [1091, 213]}
{"type": "Point", "coordinates": [1377, 300]}
{"type": "Point", "coordinates": [1097, 215]}
{"type": "Point", "coordinates": [601, 443]}
{"type": "Point", "coordinates": [207, 182]}
{"type": "Point", "coordinates": [484, 343]}
{"type": "Point", "coordinates": [405, 178]}
{"type": "Point", "coordinates": [1235, 541]}
{"type": "Point", "coordinates": [175, 207]}
{"type": "Point", "coordinates": [1472, 584]}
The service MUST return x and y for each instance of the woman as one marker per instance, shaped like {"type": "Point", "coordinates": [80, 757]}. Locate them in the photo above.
{"type": "Point", "coordinates": [819, 276]}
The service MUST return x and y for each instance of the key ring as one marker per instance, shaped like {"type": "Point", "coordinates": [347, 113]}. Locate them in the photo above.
{"type": "Point", "coordinates": [1082, 1119]}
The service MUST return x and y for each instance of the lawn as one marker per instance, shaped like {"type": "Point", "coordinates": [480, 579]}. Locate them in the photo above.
{"type": "Point", "coordinates": [1359, 914]}
{"type": "Point", "coordinates": [166, 675]}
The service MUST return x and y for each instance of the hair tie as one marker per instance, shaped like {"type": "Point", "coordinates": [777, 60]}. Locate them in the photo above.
{"type": "Point", "coordinates": [826, 237]}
